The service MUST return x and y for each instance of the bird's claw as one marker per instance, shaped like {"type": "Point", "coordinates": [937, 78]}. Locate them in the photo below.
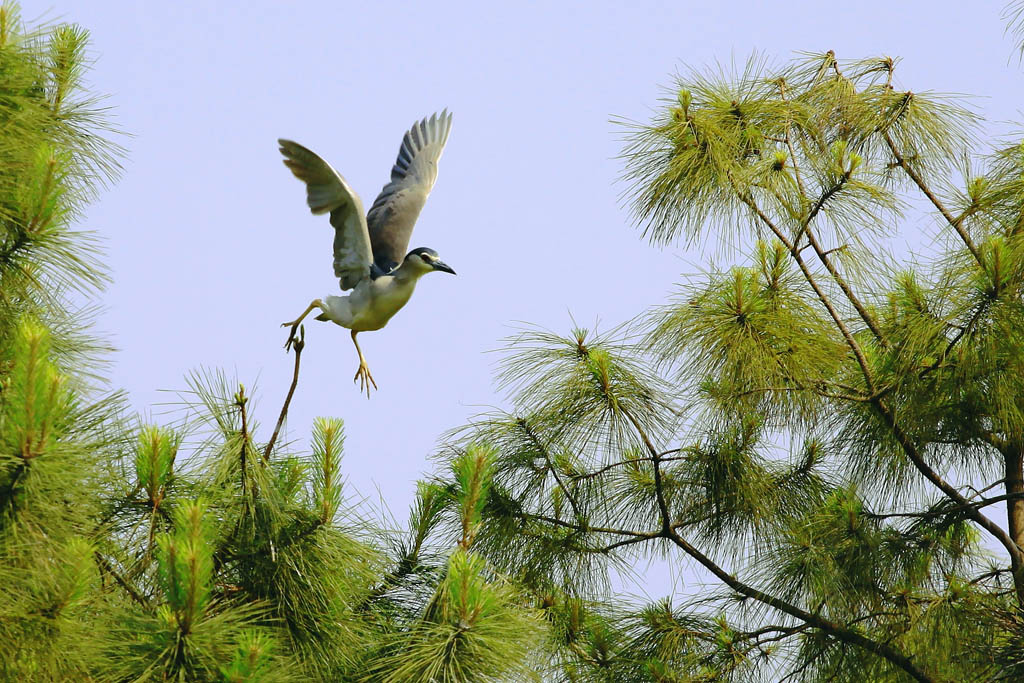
{"type": "Point", "coordinates": [365, 378]}
{"type": "Point", "coordinates": [293, 339]}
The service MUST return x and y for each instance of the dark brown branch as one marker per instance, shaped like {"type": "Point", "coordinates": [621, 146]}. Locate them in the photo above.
{"type": "Point", "coordinates": [993, 574]}
{"type": "Point", "coordinates": [865, 315]}
{"type": "Point", "coordinates": [624, 542]}
{"type": "Point", "coordinates": [955, 223]}
{"type": "Point", "coordinates": [842, 633]}
{"type": "Point", "coordinates": [961, 333]}
{"type": "Point", "coordinates": [551, 466]}
{"type": "Point", "coordinates": [908, 447]}
{"type": "Point", "coordinates": [978, 492]}
{"type": "Point", "coordinates": [240, 402]}
{"type": "Point", "coordinates": [799, 387]}
{"type": "Point", "coordinates": [298, 345]}
{"type": "Point", "coordinates": [822, 255]}
{"type": "Point", "coordinates": [132, 592]}
{"type": "Point", "coordinates": [811, 620]}
{"type": "Point", "coordinates": [822, 296]}
{"type": "Point", "coordinates": [628, 461]}
{"type": "Point", "coordinates": [666, 520]}
{"type": "Point", "coordinates": [771, 634]}
{"type": "Point", "coordinates": [805, 228]}
{"type": "Point", "coordinates": [906, 444]}
{"type": "Point", "coordinates": [584, 528]}
{"type": "Point", "coordinates": [943, 512]}
{"type": "Point", "coordinates": [814, 620]}
{"type": "Point", "coordinates": [819, 205]}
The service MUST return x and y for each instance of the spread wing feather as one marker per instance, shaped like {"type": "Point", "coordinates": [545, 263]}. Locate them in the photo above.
{"type": "Point", "coordinates": [396, 208]}
{"type": "Point", "coordinates": [327, 191]}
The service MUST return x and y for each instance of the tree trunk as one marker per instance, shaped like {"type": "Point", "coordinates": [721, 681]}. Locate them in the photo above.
{"type": "Point", "coordinates": [1014, 457]}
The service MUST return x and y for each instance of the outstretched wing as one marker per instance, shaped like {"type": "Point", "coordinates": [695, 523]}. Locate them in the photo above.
{"type": "Point", "coordinates": [327, 191]}
{"type": "Point", "coordinates": [398, 205]}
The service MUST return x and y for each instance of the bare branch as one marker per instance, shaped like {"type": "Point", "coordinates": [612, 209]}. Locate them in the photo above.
{"type": "Point", "coordinates": [298, 344]}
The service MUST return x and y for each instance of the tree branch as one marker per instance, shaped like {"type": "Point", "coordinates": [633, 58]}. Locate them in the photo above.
{"type": "Point", "coordinates": [955, 223]}
{"type": "Point", "coordinates": [931, 514]}
{"type": "Point", "coordinates": [628, 461]}
{"type": "Point", "coordinates": [789, 144]}
{"type": "Point", "coordinates": [865, 315]}
{"type": "Point", "coordinates": [906, 444]}
{"type": "Point", "coordinates": [132, 592]}
{"type": "Point", "coordinates": [811, 620]}
{"type": "Point", "coordinates": [551, 466]}
{"type": "Point", "coordinates": [240, 403]}
{"type": "Point", "coordinates": [298, 344]}
{"type": "Point", "coordinates": [812, 281]}
{"type": "Point", "coordinates": [908, 447]}
{"type": "Point", "coordinates": [586, 528]}
{"type": "Point", "coordinates": [666, 521]}
{"type": "Point", "coordinates": [837, 631]}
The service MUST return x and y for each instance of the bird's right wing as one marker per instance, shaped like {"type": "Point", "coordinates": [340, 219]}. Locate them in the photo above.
{"type": "Point", "coordinates": [398, 205]}
{"type": "Point", "coordinates": [327, 191]}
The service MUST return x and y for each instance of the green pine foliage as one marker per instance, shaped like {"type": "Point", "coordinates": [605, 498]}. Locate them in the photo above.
{"type": "Point", "coordinates": [191, 550]}
{"type": "Point", "coordinates": [823, 430]}
{"type": "Point", "coordinates": [1013, 13]}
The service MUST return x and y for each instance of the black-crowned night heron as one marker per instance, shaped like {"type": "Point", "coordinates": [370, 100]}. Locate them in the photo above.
{"type": "Point", "coordinates": [370, 251]}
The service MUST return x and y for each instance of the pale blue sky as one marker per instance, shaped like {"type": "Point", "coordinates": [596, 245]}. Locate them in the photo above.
{"type": "Point", "coordinates": [211, 246]}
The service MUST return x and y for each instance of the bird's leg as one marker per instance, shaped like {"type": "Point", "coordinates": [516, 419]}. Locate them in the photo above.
{"type": "Point", "coordinates": [295, 323]}
{"type": "Point", "coordinates": [363, 373]}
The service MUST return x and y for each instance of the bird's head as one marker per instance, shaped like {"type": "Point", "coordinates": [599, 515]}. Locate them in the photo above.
{"type": "Point", "coordinates": [426, 260]}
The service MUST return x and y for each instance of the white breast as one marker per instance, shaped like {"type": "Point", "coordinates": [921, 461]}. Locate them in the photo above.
{"type": "Point", "coordinates": [373, 303]}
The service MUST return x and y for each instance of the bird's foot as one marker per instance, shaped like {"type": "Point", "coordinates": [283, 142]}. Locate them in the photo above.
{"type": "Point", "coordinates": [292, 338]}
{"type": "Point", "coordinates": [365, 378]}
{"type": "Point", "coordinates": [292, 341]}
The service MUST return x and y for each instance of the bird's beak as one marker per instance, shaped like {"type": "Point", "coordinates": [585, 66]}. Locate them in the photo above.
{"type": "Point", "coordinates": [441, 265]}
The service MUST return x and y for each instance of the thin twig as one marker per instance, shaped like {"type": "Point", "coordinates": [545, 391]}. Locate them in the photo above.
{"type": "Point", "coordinates": [789, 142]}
{"type": "Point", "coordinates": [298, 345]}
{"type": "Point", "coordinates": [812, 281]}
{"type": "Point", "coordinates": [240, 402]}
{"type": "Point", "coordinates": [624, 463]}
{"type": "Point", "coordinates": [955, 223]}
{"type": "Point", "coordinates": [525, 426]}
{"type": "Point", "coordinates": [583, 527]}
{"type": "Point", "coordinates": [862, 310]}
{"type": "Point", "coordinates": [132, 592]}
{"type": "Point", "coordinates": [659, 493]}
{"type": "Point", "coordinates": [943, 512]}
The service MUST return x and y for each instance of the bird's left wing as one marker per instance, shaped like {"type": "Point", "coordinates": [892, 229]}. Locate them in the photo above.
{"type": "Point", "coordinates": [394, 212]}
{"type": "Point", "coordinates": [327, 191]}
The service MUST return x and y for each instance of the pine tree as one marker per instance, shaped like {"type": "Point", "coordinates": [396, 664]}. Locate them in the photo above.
{"type": "Point", "coordinates": [822, 431]}
{"type": "Point", "coordinates": [192, 550]}
{"type": "Point", "coordinates": [51, 433]}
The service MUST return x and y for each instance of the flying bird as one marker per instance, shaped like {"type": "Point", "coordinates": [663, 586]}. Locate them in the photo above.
{"type": "Point", "coordinates": [370, 249]}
